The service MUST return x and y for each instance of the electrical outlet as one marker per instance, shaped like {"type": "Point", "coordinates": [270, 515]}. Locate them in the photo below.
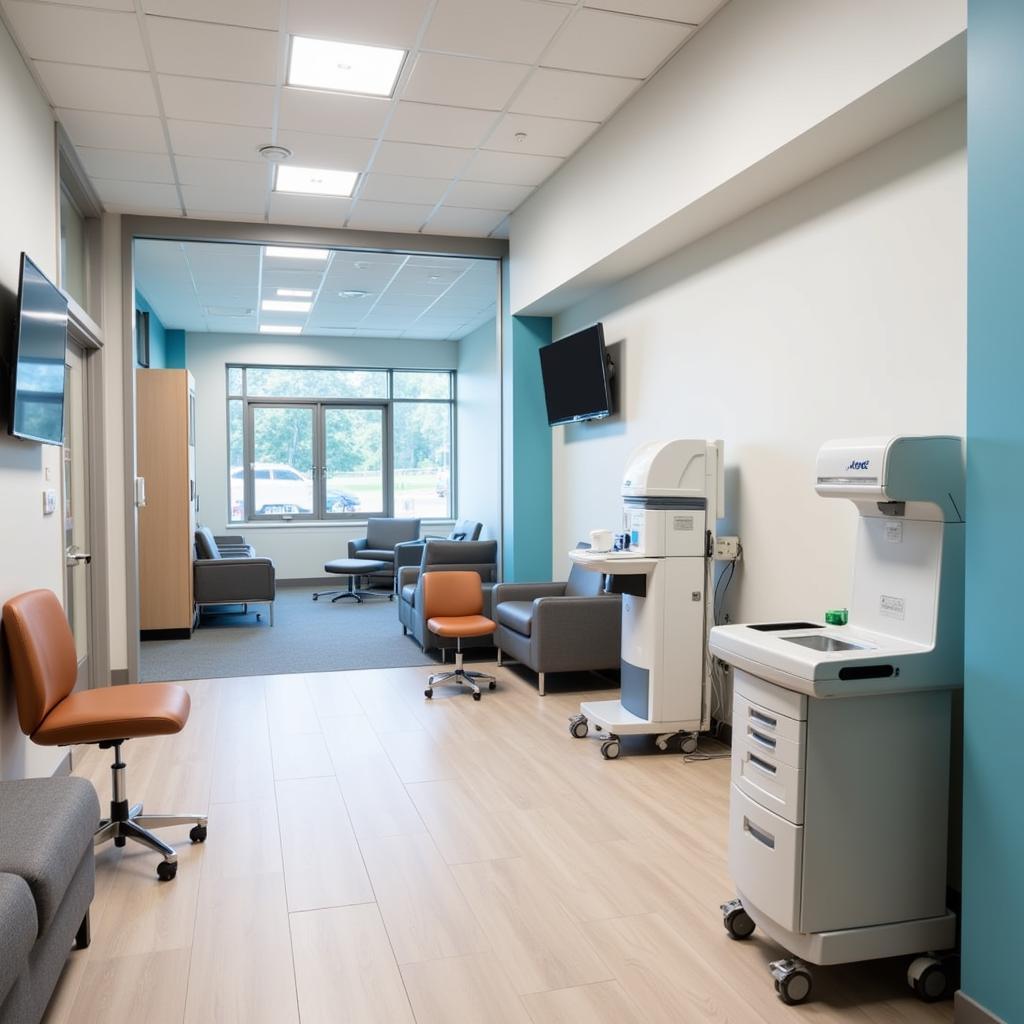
{"type": "Point", "coordinates": [49, 502]}
{"type": "Point", "coordinates": [727, 549]}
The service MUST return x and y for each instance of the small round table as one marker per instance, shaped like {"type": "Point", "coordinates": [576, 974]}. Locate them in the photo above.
{"type": "Point", "coordinates": [353, 568]}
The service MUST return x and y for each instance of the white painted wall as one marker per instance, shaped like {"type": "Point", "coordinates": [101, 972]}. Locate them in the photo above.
{"type": "Point", "coordinates": [30, 543]}
{"type": "Point", "coordinates": [835, 311]}
{"type": "Point", "coordinates": [756, 78]}
{"type": "Point", "coordinates": [478, 415]}
{"type": "Point", "coordinates": [299, 551]}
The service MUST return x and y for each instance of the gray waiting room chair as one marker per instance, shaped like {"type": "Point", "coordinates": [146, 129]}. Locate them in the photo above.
{"type": "Point", "coordinates": [231, 575]}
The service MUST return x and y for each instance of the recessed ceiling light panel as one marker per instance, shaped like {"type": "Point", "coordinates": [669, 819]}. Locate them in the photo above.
{"type": "Point", "coordinates": [314, 181]}
{"type": "Point", "coordinates": [285, 306]}
{"type": "Point", "coordinates": [295, 293]}
{"type": "Point", "coordinates": [344, 67]}
{"type": "Point", "coordinates": [286, 252]}
{"type": "Point", "coordinates": [280, 329]}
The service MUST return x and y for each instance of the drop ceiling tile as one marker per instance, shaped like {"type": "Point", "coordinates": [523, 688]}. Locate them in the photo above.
{"type": "Point", "coordinates": [326, 151]}
{"type": "Point", "coordinates": [573, 94]}
{"type": "Point", "coordinates": [119, 165]}
{"type": "Point", "coordinates": [77, 35]}
{"type": "Point", "coordinates": [463, 81]}
{"type": "Point", "coordinates": [515, 30]}
{"type": "Point", "coordinates": [137, 195]}
{"type": "Point", "coordinates": [332, 113]}
{"type": "Point", "coordinates": [401, 189]}
{"type": "Point", "coordinates": [223, 142]}
{"type": "Point", "coordinates": [511, 168]}
{"type": "Point", "coordinates": [423, 161]}
{"type": "Point", "coordinates": [439, 126]}
{"type": "Point", "coordinates": [691, 11]}
{"type": "Point", "coordinates": [482, 195]}
{"type": "Point", "coordinates": [614, 44]}
{"type": "Point", "coordinates": [206, 99]}
{"type": "Point", "coordinates": [315, 211]}
{"type": "Point", "coordinates": [205, 50]}
{"type": "Point", "coordinates": [251, 13]}
{"type": "Point", "coordinates": [453, 220]}
{"type": "Point", "coordinates": [198, 170]}
{"type": "Point", "coordinates": [546, 136]}
{"type": "Point", "coordinates": [113, 131]}
{"type": "Point", "coordinates": [375, 216]}
{"type": "Point", "coordinates": [223, 200]}
{"type": "Point", "coordinates": [78, 87]}
{"type": "Point", "coordinates": [380, 23]}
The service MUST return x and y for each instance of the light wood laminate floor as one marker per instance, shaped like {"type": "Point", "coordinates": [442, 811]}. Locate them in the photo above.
{"type": "Point", "coordinates": [375, 857]}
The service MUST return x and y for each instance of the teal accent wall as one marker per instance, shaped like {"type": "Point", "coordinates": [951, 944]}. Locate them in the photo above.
{"type": "Point", "coordinates": [174, 349]}
{"type": "Point", "coordinates": [526, 534]}
{"type": "Point", "coordinates": [993, 848]}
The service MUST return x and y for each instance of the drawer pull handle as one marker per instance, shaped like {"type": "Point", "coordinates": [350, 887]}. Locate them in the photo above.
{"type": "Point", "coordinates": [759, 737]}
{"type": "Point", "coordinates": [757, 762]}
{"type": "Point", "coordinates": [762, 719]}
{"type": "Point", "coordinates": [764, 838]}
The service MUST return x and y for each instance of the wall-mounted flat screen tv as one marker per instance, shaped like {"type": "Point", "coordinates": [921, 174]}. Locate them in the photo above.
{"type": "Point", "coordinates": [37, 381]}
{"type": "Point", "coordinates": [575, 373]}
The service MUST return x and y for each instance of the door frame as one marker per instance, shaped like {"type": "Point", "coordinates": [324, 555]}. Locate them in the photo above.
{"type": "Point", "coordinates": [84, 333]}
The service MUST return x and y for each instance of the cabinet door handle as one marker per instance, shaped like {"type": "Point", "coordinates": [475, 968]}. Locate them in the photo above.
{"type": "Point", "coordinates": [764, 838]}
{"type": "Point", "coordinates": [759, 737]}
{"type": "Point", "coordinates": [763, 719]}
{"type": "Point", "coordinates": [758, 762]}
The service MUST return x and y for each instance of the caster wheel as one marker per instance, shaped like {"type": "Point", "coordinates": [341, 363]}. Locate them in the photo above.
{"type": "Point", "coordinates": [792, 981]}
{"type": "Point", "coordinates": [198, 834]}
{"type": "Point", "coordinates": [661, 743]}
{"type": "Point", "coordinates": [428, 693]}
{"type": "Point", "coordinates": [493, 685]}
{"type": "Point", "coordinates": [610, 750]}
{"type": "Point", "coordinates": [578, 727]}
{"type": "Point", "coordinates": [476, 696]}
{"type": "Point", "coordinates": [929, 978]}
{"type": "Point", "coordinates": [166, 870]}
{"type": "Point", "coordinates": [738, 923]}
{"type": "Point", "coordinates": [119, 840]}
{"type": "Point", "coordinates": [315, 597]}
{"type": "Point", "coordinates": [689, 745]}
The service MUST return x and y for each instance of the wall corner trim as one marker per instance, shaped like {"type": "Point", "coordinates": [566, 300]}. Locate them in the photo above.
{"type": "Point", "coordinates": [967, 1011]}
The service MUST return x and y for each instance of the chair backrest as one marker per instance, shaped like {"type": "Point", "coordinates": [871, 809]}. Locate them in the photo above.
{"type": "Point", "coordinates": [384, 533]}
{"type": "Point", "coordinates": [582, 582]}
{"type": "Point", "coordinates": [480, 556]}
{"type": "Point", "coordinates": [452, 594]}
{"type": "Point", "coordinates": [206, 546]}
{"type": "Point", "coordinates": [466, 529]}
{"type": "Point", "coordinates": [43, 655]}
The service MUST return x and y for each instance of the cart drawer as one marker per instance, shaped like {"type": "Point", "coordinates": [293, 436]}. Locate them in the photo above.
{"type": "Point", "coordinates": [765, 858]}
{"type": "Point", "coordinates": [768, 731]}
{"type": "Point", "coordinates": [763, 777]}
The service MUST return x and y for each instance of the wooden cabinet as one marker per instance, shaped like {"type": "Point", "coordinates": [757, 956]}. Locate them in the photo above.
{"type": "Point", "coordinates": [166, 459]}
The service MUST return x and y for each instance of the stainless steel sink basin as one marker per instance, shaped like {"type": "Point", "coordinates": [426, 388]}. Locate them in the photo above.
{"type": "Point", "coordinates": [830, 644]}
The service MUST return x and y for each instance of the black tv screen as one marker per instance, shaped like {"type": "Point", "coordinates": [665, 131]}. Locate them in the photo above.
{"type": "Point", "coordinates": [575, 372]}
{"type": "Point", "coordinates": [37, 385]}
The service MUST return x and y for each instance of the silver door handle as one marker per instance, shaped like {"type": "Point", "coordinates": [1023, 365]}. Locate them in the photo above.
{"type": "Point", "coordinates": [73, 556]}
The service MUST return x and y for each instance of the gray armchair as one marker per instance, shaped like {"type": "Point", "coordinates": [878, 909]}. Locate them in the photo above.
{"type": "Point", "coordinates": [411, 551]}
{"type": "Point", "coordinates": [479, 556]}
{"type": "Point", "coordinates": [230, 579]}
{"type": "Point", "coordinates": [383, 535]}
{"type": "Point", "coordinates": [559, 627]}
{"type": "Point", "coordinates": [224, 546]}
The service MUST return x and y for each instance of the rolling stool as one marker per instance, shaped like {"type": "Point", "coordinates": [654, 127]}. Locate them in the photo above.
{"type": "Point", "coordinates": [453, 603]}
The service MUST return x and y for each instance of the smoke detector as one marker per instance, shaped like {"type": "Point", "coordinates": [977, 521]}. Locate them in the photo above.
{"type": "Point", "coordinates": [274, 154]}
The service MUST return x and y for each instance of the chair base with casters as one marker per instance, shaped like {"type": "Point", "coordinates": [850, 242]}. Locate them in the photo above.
{"type": "Point", "coordinates": [353, 568]}
{"type": "Point", "coordinates": [127, 822]}
{"type": "Point", "coordinates": [459, 676]}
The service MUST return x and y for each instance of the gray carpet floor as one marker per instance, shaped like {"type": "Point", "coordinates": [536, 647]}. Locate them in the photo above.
{"type": "Point", "coordinates": [307, 636]}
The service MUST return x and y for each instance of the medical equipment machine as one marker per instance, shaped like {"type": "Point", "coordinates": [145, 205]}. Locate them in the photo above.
{"type": "Point", "coordinates": [841, 733]}
{"type": "Point", "coordinates": [672, 495]}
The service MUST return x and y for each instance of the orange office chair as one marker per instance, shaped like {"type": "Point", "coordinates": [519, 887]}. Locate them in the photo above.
{"type": "Point", "coordinates": [453, 602]}
{"type": "Point", "coordinates": [45, 667]}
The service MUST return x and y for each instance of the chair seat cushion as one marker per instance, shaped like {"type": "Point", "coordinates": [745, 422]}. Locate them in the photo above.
{"type": "Point", "coordinates": [48, 825]}
{"type": "Point", "coordinates": [377, 554]}
{"type": "Point", "coordinates": [409, 594]}
{"type": "Point", "coordinates": [18, 928]}
{"type": "Point", "coordinates": [460, 625]}
{"type": "Point", "coordinates": [517, 615]}
{"type": "Point", "coordinates": [116, 712]}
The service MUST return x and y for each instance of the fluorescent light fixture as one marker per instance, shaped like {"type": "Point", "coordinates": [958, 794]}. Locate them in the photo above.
{"type": "Point", "coordinates": [280, 329]}
{"type": "Point", "coordinates": [344, 67]}
{"type": "Point", "coordinates": [285, 306]}
{"type": "Point", "coordinates": [295, 293]}
{"type": "Point", "coordinates": [285, 252]}
{"type": "Point", "coordinates": [314, 181]}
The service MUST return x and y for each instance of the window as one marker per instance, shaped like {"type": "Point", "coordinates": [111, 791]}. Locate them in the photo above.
{"type": "Point", "coordinates": [322, 443]}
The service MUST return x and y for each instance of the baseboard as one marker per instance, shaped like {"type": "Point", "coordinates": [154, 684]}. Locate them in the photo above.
{"type": "Point", "coordinates": [118, 676]}
{"type": "Point", "coordinates": [967, 1011]}
{"type": "Point", "coordinates": [64, 768]}
{"type": "Point", "coordinates": [327, 582]}
{"type": "Point", "coordinates": [165, 634]}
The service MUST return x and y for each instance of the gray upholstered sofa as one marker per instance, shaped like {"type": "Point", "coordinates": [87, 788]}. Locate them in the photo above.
{"type": "Point", "coordinates": [231, 574]}
{"type": "Point", "coordinates": [479, 556]}
{"type": "Point", "coordinates": [47, 877]}
{"type": "Point", "coordinates": [559, 627]}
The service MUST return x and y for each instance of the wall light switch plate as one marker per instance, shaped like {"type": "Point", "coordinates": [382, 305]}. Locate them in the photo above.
{"type": "Point", "coordinates": [49, 502]}
{"type": "Point", "coordinates": [727, 549]}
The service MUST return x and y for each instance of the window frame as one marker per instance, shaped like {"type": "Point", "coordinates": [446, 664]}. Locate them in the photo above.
{"type": "Point", "coordinates": [320, 514]}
